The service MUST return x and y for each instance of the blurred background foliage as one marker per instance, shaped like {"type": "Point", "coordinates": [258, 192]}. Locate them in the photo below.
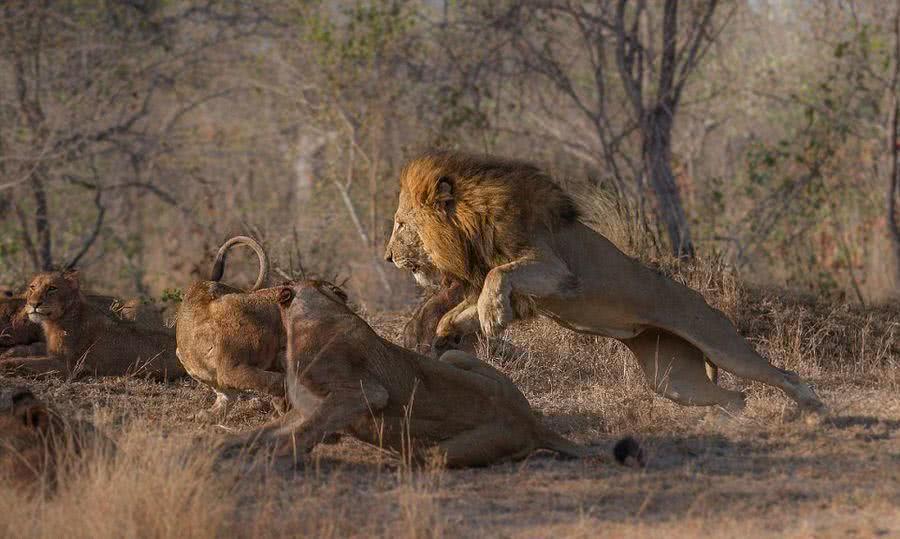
{"type": "Point", "coordinates": [137, 135]}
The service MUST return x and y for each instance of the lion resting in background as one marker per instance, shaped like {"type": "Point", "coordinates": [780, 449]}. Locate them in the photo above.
{"type": "Point", "coordinates": [35, 439]}
{"type": "Point", "coordinates": [343, 377]}
{"type": "Point", "coordinates": [231, 340]}
{"type": "Point", "coordinates": [84, 339]}
{"type": "Point", "coordinates": [512, 235]}
{"type": "Point", "coordinates": [19, 336]}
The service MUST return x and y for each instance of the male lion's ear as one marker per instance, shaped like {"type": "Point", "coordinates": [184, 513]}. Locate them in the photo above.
{"type": "Point", "coordinates": [285, 295]}
{"type": "Point", "coordinates": [444, 197]}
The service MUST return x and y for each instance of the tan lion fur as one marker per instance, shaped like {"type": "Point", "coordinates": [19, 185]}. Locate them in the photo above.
{"type": "Point", "coordinates": [498, 201]}
{"type": "Point", "coordinates": [514, 237]}
{"type": "Point", "coordinates": [232, 340]}
{"type": "Point", "coordinates": [344, 377]}
{"type": "Point", "coordinates": [19, 336]}
{"type": "Point", "coordinates": [35, 439]}
{"type": "Point", "coordinates": [15, 328]}
{"type": "Point", "coordinates": [421, 328]}
{"type": "Point", "coordinates": [84, 339]}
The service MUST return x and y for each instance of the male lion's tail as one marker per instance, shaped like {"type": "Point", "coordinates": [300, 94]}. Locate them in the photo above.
{"type": "Point", "coordinates": [219, 265]}
{"type": "Point", "coordinates": [627, 450]}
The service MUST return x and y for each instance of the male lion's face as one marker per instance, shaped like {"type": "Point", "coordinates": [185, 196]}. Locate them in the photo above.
{"type": "Point", "coordinates": [405, 248]}
{"type": "Point", "coordinates": [49, 295]}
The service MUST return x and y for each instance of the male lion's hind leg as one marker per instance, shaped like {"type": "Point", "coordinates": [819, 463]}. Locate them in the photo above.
{"type": "Point", "coordinates": [716, 337]}
{"type": "Point", "coordinates": [677, 370]}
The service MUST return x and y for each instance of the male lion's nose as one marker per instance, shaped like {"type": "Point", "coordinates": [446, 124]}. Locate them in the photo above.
{"type": "Point", "coordinates": [388, 255]}
{"type": "Point", "coordinates": [36, 305]}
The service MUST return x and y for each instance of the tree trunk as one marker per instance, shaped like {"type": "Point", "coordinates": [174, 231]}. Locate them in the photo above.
{"type": "Point", "coordinates": [657, 150]}
{"type": "Point", "coordinates": [41, 220]}
{"type": "Point", "coordinates": [894, 149]}
{"type": "Point", "coordinates": [893, 186]}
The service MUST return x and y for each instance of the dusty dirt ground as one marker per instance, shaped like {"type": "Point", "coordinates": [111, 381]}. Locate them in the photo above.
{"type": "Point", "coordinates": [764, 472]}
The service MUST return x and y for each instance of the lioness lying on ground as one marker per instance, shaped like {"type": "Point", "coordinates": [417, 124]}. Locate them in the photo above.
{"type": "Point", "coordinates": [232, 340]}
{"type": "Point", "coordinates": [507, 231]}
{"type": "Point", "coordinates": [20, 337]}
{"type": "Point", "coordinates": [83, 339]}
{"type": "Point", "coordinates": [342, 376]}
{"type": "Point", "coordinates": [34, 438]}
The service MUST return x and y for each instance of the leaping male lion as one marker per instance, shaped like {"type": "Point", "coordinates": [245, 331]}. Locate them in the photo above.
{"type": "Point", "coordinates": [514, 237]}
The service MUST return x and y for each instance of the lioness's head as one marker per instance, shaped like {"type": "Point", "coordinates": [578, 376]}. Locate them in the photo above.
{"type": "Point", "coordinates": [21, 413]}
{"type": "Point", "coordinates": [24, 422]}
{"type": "Point", "coordinates": [34, 437]}
{"type": "Point", "coordinates": [50, 295]}
{"type": "Point", "coordinates": [311, 298]}
{"type": "Point", "coordinates": [466, 214]}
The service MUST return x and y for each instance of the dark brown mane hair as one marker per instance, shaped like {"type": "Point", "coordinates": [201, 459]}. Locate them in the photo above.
{"type": "Point", "coordinates": [475, 212]}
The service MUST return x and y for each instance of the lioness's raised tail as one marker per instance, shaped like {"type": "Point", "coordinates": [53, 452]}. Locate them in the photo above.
{"type": "Point", "coordinates": [219, 265]}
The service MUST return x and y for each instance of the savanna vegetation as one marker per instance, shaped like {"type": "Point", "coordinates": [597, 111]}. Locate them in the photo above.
{"type": "Point", "coordinates": [750, 148]}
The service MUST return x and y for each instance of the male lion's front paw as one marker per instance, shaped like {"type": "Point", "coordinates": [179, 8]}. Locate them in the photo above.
{"type": "Point", "coordinates": [494, 312]}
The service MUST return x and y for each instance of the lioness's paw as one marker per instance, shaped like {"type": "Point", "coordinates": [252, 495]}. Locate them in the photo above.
{"type": "Point", "coordinates": [443, 343]}
{"type": "Point", "coordinates": [494, 313]}
{"type": "Point", "coordinates": [212, 416]}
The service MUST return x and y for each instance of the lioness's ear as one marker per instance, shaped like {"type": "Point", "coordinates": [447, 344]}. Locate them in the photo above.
{"type": "Point", "coordinates": [444, 197]}
{"type": "Point", "coordinates": [285, 296]}
{"type": "Point", "coordinates": [30, 411]}
{"type": "Point", "coordinates": [338, 291]}
{"type": "Point", "coordinates": [71, 275]}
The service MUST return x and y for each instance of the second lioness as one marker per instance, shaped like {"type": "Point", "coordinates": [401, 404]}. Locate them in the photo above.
{"type": "Point", "coordinates": [351, 380]}
{"type": "Point", "coordinates": [231, 340]}
{"type": "Point", "coordinates": [20, 336]}
{"type": "Point", "coordinates": [82, 339]}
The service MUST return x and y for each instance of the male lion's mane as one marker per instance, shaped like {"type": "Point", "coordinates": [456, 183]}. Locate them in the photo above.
{"type": "Point", "coordinates": [488, 217]}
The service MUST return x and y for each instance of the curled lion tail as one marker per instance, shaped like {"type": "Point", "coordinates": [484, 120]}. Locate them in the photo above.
{"type": "Point", "coordinates": [219, 265]}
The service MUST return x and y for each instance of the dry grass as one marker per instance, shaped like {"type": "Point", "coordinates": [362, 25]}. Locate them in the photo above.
{"type": "Point", "coordinates": [761, 473]}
